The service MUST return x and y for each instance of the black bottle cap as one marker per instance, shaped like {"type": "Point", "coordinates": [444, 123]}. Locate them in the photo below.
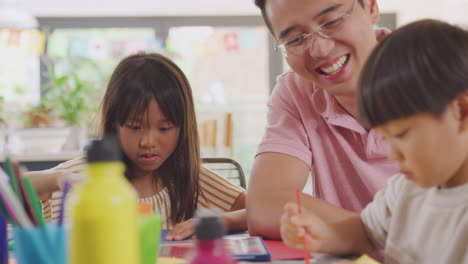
{"type": "Point", "coordinates": [209, 227]}
{"type": "Point", "coordinates": [106, 149]}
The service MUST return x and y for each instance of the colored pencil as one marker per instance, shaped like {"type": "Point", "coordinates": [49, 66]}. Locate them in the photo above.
{"type": "Point", "coordinates": [8, 212]}
{"type": "Point", "coordinates": [27, 203]}
{"type": "Point", "coordinates": [66, 189]}
{"type": "Point", "coordinates": [4, 212]}
{"type": "Point", "coordinates": [12, 201]}
{"type": "Point", "coordinates": [34, 200]}
{"type": "Point", "coordinates": [4, 177]}
{"type": "Point", "coordinates": [3, 239]}
{"type": "Point", "coordinates": [11, 175]}
{"type": "Point", "coordinates": [298, 202]}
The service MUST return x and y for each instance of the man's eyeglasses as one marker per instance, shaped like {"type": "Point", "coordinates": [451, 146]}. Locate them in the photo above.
{"type": "Point", "coordinates": [299, 44]}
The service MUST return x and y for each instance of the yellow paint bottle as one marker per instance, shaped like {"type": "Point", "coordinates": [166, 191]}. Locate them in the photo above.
{"type": "Point", "coordinates": [104, 216]}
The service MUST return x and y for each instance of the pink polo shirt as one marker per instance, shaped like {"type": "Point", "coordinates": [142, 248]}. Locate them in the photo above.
{"type": "Point", "coordinates": [349, 164]}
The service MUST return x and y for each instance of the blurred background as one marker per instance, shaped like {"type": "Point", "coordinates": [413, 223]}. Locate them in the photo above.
{"type": "Point", "coordinates": [56, 57]}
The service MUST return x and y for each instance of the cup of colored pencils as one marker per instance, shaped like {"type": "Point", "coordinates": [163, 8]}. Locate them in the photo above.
{"type": "Point", "coordinates": [34, 240]}
{"type": "Point", "coordinates": [3, 240]}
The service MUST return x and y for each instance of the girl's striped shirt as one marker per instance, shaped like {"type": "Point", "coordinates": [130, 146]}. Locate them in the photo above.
{"type": "Point", "coordinates": [219, 194]}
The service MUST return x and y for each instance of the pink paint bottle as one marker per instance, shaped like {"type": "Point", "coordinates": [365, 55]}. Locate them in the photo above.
{"type": "Point", "coordinates": [209, 247]}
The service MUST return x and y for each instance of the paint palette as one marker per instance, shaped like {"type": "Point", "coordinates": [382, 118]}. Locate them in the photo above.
{"type": "Point", "coordinates": [247, 248]}
{"type": "Point", "coordinates": [241, 247]}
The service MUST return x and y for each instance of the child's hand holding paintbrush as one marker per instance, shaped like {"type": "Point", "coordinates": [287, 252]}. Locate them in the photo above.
{"type": "Point", "coordinates": [302, 229]}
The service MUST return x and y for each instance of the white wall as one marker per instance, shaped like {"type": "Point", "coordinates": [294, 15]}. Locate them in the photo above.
{"type": "Point", "coordinates": [138, 7]}
{"type": "Point", "coordinates": [453, 11]}
{"type": "Point", "coordinates": [408, 10]}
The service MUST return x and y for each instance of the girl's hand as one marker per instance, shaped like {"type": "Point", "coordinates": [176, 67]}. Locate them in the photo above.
{"type": "Point", "coordinates": [48, 181]}
{"type": "Point", "coordinates": [71, 178]}
{"type": "Point", "coordinates": [182, 230]}
{"type": "Point", "coordinates": [295, 228]}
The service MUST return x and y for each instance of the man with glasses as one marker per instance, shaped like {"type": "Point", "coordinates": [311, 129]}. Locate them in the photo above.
{"type": "Point", "coordinates": [312, 126]}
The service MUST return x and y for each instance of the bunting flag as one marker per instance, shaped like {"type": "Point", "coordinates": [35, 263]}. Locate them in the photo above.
{"type": "Point", "coordinates": [36, 43]}
{"type": "Point", "coordinates": [214, 44]}
{"type": "Point", "coordinates": [98, 48]}
{"type": "Point", "coordinates": [231, 41]}
{"type": "Point", "coordinates": [31, 41]}
{"type": "Point", "coordinates": [155, 44]}
{"type": "Point", "coordinates": [78, 47]}
{"type": "Point", "coordinates": [170, 45]}
{"type": "Point", "coordinates": [14, 38]}
{"type": "Point", "coordinates": [60, 45]}
{"type": "Point", "coordinates": [3, 37]}
{"type": "Point", "coordinates": [135, 46]}
{"type": "Point", "coordinates": [117, 49]}
{"type": "Point", "coordinates": [57, 45]}
{"type": "Point", "coordinates": [248, 39]}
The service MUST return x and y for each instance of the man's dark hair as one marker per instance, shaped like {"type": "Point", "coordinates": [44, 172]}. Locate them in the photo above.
{"type": "Point", "coordinates": [261, 4]}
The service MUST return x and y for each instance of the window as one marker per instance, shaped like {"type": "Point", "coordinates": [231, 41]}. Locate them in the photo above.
{"type": "Point", "coordinates": [228, 71]}
{"type": "Point", "coordinates": [19, 68]}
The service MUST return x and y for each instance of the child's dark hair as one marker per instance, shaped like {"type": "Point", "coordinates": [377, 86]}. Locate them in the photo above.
{"type": "Point", "coordinates": [137, 80]}
{"type": "Point", "coordinates": [421, 67]}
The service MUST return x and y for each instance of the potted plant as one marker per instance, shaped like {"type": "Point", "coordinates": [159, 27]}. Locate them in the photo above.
{"type": "Point", "coordinates": [40, 115]}
{"type": "Point", "coordinates": [71, 95]}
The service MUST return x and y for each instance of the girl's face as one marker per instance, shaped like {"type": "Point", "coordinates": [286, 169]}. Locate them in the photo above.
{"type": "Point", "coordinates": [149, 140]}
{"type": "Point", "coordinates": [430, 150]}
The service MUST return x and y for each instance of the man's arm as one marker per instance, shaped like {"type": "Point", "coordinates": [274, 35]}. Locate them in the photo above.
{"type": "Point", "coordinates": [274, 180]}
